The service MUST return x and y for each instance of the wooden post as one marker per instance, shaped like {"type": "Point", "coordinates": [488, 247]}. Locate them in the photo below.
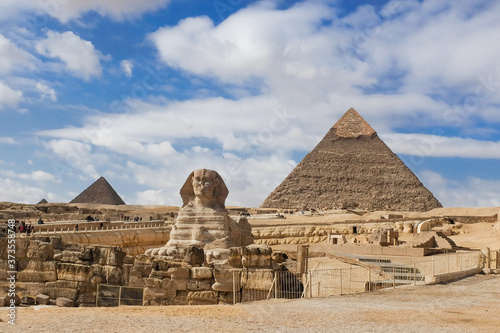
{"type": "Point", "coordinates": [119, 296]}
{"type": "Point", "coordinates": [97, 296]}
{"type": "Point", "coordinates": [414, 274]}
{"type": "Point", "coordinates": [394, 277]}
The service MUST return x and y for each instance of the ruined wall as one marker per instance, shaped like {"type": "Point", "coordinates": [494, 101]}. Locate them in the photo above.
{"type": "Point", "coordinates": [57, 269]}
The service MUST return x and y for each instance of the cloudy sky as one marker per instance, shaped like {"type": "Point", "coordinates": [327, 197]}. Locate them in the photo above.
{"type": "Point", "coordinates": [143, 92]}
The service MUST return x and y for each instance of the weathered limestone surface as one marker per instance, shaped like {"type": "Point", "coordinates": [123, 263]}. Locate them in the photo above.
{"type": "Point", "coordinates": [352, 168]}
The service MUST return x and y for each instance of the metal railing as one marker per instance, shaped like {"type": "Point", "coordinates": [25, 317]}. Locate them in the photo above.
{"type": "Point", "coordinates": [109, 295]}
{"type": "Point", "coordinates": [349, 280]}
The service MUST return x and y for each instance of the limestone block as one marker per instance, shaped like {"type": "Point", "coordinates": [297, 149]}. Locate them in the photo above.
{"type": "Point", "coordinates": [223, 280]}
{"type": "Point", "coordinates": [2, 302]}
{"type": "Point", "coordinates": [194, 255]}
{"type": "Point", "coordinates": [257, 279]}
{"type": "Point", "coordinates": [140, 270]}
{"type": "Point", "coordinates": [73, 272]}
{"type": "Point", "coordinates": [61, 288]}
{"type": "Point", "coordinates": [30, 288]}
{"type": "Point", "coordinates": [202, 297]}
{"type": "Point", "coordinates": [180, 273]}
{"type": "Point", "coordinates": [42, 299]}
{"type": "Point", "coordinates": [235, 254]}
{"type": "Point", "coordinates": [86, 287]}
{"type": "Point", "coordinates": [40, 250]}
{"type": "Point", "coordinates": [38, 271]}
{"type": "Point", "coordinates": [160, 274]}
{"type": "Point", "coordinates": [199, 285]}
{"type": "Point", "coordinates": [109, 255]}
{"type": "Point", "coordinates": [256, 256]}
{"type": "Point", "coordinates": [181, 298]}
{"type": "Point", "coordinates": [155, 294]}
{"type": "Point", "coordinates": [135, 281]}
{"type": "Point", "coordinates": [112, 275]}
{"type": "Point", "coordinates": [201, 272]}
{"type": "Point", "coordinates": [64, 302]}
{"type": "Point", "coordinates": [27, 300]}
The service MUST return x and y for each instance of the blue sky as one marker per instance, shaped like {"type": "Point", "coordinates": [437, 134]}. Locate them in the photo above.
{"type": "Point", "coordinates": [143, 92]}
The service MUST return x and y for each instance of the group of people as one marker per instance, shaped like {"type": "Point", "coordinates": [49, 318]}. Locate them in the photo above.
{"type": "Point", "coordinates": [23, 228]}
{"type": "Point", "coordinates": [92, 219]}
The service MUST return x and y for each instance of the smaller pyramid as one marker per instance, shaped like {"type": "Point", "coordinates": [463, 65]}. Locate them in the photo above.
{"type": "Point", "coordinates": [100, 192]}
{"type": "Point", "coordinates": [43, 201]}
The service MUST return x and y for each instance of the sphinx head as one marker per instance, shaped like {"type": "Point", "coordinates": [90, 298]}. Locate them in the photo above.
{"type": "Point", "coordinates": [205, 188]}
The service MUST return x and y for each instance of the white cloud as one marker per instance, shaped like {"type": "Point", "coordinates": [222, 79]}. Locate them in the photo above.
{"type": "Point", "coordinates": [14, 191]}
{"type": "Point", "coordinates": [8, 140]}
{"type": "Point", "coordinates": [470, 192]}
{"type": "Point", "coordinates": [46, 92]}
{"type": "Point", "coordinates": [8, 96]}
{"type": "Point", "coordinates": [75, 155]}
{"type": "Point", "coordinates": [79, 56]}
{"type": "Point", "coordinates": [127, 66]}
{"type": "Point", "coordinates": [38, 175]}
{"type": "Point", "coordinates": [69, 10]}
{"type": "Point", "coordinates": [12, 56]}
{"type": "Point", "coordinates": [441, 146]}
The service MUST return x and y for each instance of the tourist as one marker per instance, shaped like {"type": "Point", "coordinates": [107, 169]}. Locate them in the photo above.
{"type": "Point", "coordinates": [40, 221]}
{"type": "Point", "coordinates": [76, 227]}
{"type": "Point", "coordinates": [102, 225]}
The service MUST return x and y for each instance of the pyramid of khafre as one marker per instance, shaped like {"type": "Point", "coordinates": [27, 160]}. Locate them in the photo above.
{"type": "Point", "coordinates": [100, 192]}
{"type": "Point", "coordinates": [352, 168]}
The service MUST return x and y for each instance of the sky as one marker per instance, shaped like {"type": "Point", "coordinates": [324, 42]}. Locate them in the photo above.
{"type": "Point", "coordinates": [144, 92]}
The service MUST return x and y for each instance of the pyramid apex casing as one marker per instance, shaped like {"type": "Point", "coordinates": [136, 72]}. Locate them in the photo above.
{"type": "Point", "coordinates": [352, 125]}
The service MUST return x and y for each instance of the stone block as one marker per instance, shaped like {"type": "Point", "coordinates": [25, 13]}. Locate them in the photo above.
{"type": "Point", "coordinates": [27, 300]}
{"type": "Point", "coordinates": [194, 255]}
{"type": "Point", "coordinates": [180, 273]}
{"type": "Point", "coordinates": [201, 273]}
{"type": "Point", "coordinates": [202, 297]}
{"type": "Point", "coordinates": [12, 298]}
{"type": "Point", "coordinates": [2, 302]}
{"type": "Point", "coordinates": [64, 302]}
{"type": "Point", "coordinates": [30, 288]}
{"type": "Point", "coordinates": [140, 270]}
{"type": "Point", "coordinates": [199, 285]}
{"type": "Point", "coordinates": [38, 271]}
{"type": "Point", "coordinates": [257, 279]}
{"type": "Point", "coordinates": [223, 280]}
{"type": "Point", "coordinates": [40, 250]}
{"type": "Point", "coordinates": [73, 272]}
{"type": "Point", "coordinates": [42, 299]}
{"type": "Point", "coordinates": [61, 288]}
{"type": "Point", "coordinates": [135, 281]}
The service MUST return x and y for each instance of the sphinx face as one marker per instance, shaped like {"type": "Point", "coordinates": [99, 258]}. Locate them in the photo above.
{"type": "Point", "coordinates": [204, 183]}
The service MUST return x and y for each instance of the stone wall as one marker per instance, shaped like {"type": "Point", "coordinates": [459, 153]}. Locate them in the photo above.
{"type": "Point", "coordinates": [48, 266]}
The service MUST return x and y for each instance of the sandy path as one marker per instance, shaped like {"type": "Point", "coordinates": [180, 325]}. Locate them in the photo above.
{"type": "Point", "coordinates": [469, 305]}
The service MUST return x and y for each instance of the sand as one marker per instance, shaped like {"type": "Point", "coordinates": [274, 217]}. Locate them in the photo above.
{"type": "Point", "coordinates": [469, 305]}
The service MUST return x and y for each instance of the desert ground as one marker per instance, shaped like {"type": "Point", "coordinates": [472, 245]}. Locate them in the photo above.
{"type": "Point", "coordinates": [468, 305]}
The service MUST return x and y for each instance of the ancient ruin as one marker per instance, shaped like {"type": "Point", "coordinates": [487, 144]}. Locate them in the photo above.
{"type": "Point", "coordinates": [203, 220]}
{"type": "Point", "coordinates": [100, 192]}
{"type": "Point", "coordinates": [352, 168]}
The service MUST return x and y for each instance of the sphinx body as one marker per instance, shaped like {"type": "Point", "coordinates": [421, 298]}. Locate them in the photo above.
{"type": "Point", "coordinates": [203, 220]}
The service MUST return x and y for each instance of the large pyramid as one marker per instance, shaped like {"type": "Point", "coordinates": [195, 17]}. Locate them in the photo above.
{"type": "Point", "coordinates": [100, 192]}
{"type": "Point", "coordinates": [351, 167]}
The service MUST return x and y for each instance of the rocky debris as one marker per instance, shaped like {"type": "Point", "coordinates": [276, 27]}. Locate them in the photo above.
{"type": "Point", "coordinates": [352, 168]}
{"type": "Point", "coordinates": [27, 300]}
{"type": "Point", "coordinates": [64, 302]}
{"type": "Point", "coordinates": [42, 299]}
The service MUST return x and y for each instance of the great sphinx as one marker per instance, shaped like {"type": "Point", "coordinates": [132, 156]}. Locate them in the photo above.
{"type": "Point", "coordinates": [203, 221]}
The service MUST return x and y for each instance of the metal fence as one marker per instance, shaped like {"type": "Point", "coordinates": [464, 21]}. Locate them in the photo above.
{"type": "Point", "coordinates": [108, 295]}
{"type": "Point", "coordinates": [380, 274]}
